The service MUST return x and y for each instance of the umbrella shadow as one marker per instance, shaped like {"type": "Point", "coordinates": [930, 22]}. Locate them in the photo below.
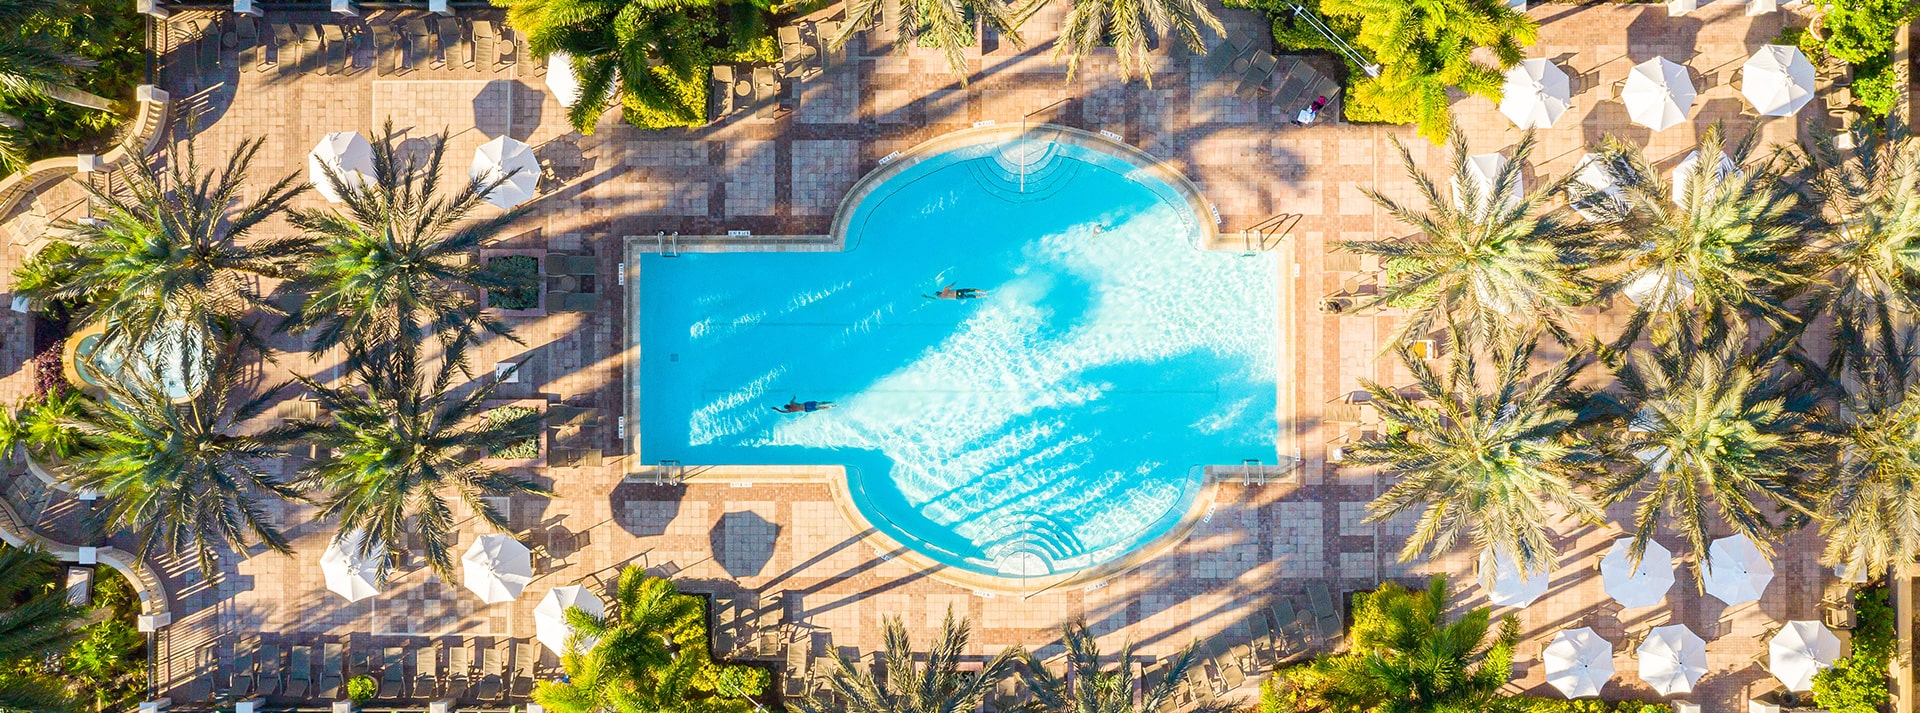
{"type": "Point", "coordinates": [743, 542]}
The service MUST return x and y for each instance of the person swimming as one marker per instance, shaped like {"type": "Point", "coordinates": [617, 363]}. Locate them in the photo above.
{"type": "Point", "coordinates": [795, 405]}
{"type": "Point", "coordinates": [964, 293]}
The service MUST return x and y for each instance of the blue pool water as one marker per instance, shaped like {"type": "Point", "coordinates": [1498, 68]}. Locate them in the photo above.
{"type": "Point", "coordinates": [1051, 426]}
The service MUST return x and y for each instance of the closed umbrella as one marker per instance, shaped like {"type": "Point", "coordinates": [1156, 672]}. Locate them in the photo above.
{"type": "Point", "coordinates": [497, 567]}
{"type": "Point", "coordinates": [1689, 168]}
{"type": "Point", "coordinates": [561, 80]}
{"type": "Point", "coordinates": [1578, 662]}
{"type": "Point", "coordinates": [513, 164]}
{"type": "Point", "coordinates": [1777, 80]}
{"type": "Point", "coordinates": [1672, 659]}
{"type": "Point", "coordinates": [550, 616]}
{"type": "Point", "coordinates": [350, 157]}
{"type": "Point", "coordinates": [1656, 289]}
{"type": "Point", "coordinates": [348, 574]}
{"type": "Point", "coordinates": [1482, 169]}
{"type": "Point", "coordinates": [1736, 571]}
{"type": "Point", "coordinates": [1536, 94]}
{"type": "Point", "coordinates": [1658, 94]}
{"type": "Point", "coordinates": [1506, 585]}
{"type": "Point", "coordinates": [1800, 650]}
{"type": "Point", "coordinates": [1598, 198]}
{"type": "Point", "coordinates": [1641, 585]}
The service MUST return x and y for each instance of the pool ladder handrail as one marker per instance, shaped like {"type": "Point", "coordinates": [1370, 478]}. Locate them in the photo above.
{"type": "Point", "coordinates": [668, 245]}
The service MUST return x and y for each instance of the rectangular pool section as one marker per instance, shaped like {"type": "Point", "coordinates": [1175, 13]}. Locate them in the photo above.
{"type": "Point", "coordinates": [1050, 425]}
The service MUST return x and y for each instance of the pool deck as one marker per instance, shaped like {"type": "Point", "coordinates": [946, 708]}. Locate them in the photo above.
{"type": "Point", "coordinates": [783, 173]}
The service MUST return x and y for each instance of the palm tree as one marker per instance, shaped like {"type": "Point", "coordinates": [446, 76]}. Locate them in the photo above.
{"type": "Point", "coordinates": [1484, 464]}
{"type": "Point", "coordinates": [35, 622]}
{"type": "Point", "coordinates": [1871, 251]}
{"type": "Point", "coordinates": [1732, 244]}
{"type": "Point", "coordinates": [391, 267]}
{"type": "Point", "coordinates": [1127, 25]}
{"type": "Point", "coordinates": [651, 53]}
{"type": "Point", "coordinates": [1089, 688]}
{"type": "Point", "coordinates": [934, 686]}
{"type": "Point", "coordinates": [181, 475]}
{"type": "Point", "coordinates": [397, 445]}
{"type": "Point", "coordinates": [1705, 427]}
{"type": "Point", "coordinates": [1503, 262]}
{"type": "Point", "coordinates": [168, 257]}
{"type": "Point", "coordinates": [633, 662]}
{"type": "Point", "coordinates": [946, 24]}
{"type": "Point", "coordinates": [1405, 656]}
{"type": "Point", "coordinates": [1870, 512]}
{"type": "Point", "coordinates": [1426, 48]}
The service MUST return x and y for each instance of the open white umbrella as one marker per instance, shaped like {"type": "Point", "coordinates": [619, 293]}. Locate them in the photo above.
{"type": "Point", "coordinates": [1651, 289]}
{"type": "Point", "coordinates": [350, 157]}
{"type": "Point", "coordinates": [1777, 80]}
{"type": "Point", "coordinates": [1599, 198]}
{"type": "Point", "coordinates": [1536, 94]}
{"type": "Point", "coordinates": [1800, 650]}
{"type": "Point", "coordinates": [550, 616]}
{"type": "Point", "coordinates": [1672, 659]}
{"type": "Point", "coordinates": [1658, 94]}
{"type": "Point", "coordinates": [1736, 571]}
{"type": "Point", "coordinates": [347, 573]}
{"type": "Point", "coordinates": [1506, 585]}
{"type": "Point", "coordinates": [497, 567]}
{"type": "Point", "coordinates": [509, 159]}
{"type": "Point", "coordinates": [1636, 586]}
{"type": "Point", "coordinates": [1481, 170]}
{"type": "Point", "coordinates": [1578, 662]}
{"type": "Point", "coordinates": [1689, 168]}
{"type": "Point", "coordinates": [561, 79]}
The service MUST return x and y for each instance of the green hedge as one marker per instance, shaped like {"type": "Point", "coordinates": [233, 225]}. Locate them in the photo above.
{"type": "Point", "coordinates": [106, 32]}
{"type": "Point", "coordinates": [1858, 682]}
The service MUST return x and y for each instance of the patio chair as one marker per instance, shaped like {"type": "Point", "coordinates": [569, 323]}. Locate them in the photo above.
{"type": "Point", "coordinates": [241, 682]}
{"type": "Point", "coordinates": [209, 47]}
{"type": "Point", "coordinates": [311, 57]}
{"type": "Point", "coordinates": [830, 56]}
{"type": "Point", "coordinates": [339, 53]}
{"type": "Point", "coordinates": [459, 670]}
{"type": "Point", "coordinates": [299, 671]}
{"type": "Point", "coordinates": [393, 672]}
{"type": "Point", "coordinates": [591, 458]}
{"type": "Point", "coordinates": [493, 668]}
{"type": "Point", "coordinates": [1326, 615]}
{"type": "Point", "coordinates": [1258, 72]}
{"type": "Point", "coordinates": [386, 54]}
{"type": "Point", "coordinates": [454, 41]}
{"type": "Point", "coordinates": [1289, 80]}
{"type": "Point", "coordinates": [484, 38]}
{"type": "Point", "coordinates": [562, 264]}
{"type": "Point", "coordinates": [332, 657]}
{"type": "Point", "coordinates": [722, 91]}
{"type": "Point", "coordinates": [572, 302]}
{"type": "Point", "coordinates": [1210, 668]}
{"type": "Point", "coordinates": [426, 674]}
{"type": "Point", "coordinates": [420, 41]}
{"type": "Point", "coordinates": [284, 42]}
{"type": "Point", "coordinates": [526, 659]}
{"type": "Point", "coordinates": [246, 35]}
{"type": "Point", "coordinates": [269, 670]}
{"type": "Point", "coordinates": [1222, 55]}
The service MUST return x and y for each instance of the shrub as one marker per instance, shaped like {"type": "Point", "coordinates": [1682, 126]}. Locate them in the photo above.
{"type": "Point", "coordinates": [44, 421]}
{"type": "Point", "coordinates": [1858, 683]}
{"type": "Point", "coordinates": [1876, 85]}
{"type": "Point", "coordinates": [112, 35]}
{"type": "Point", "coordinates": [522, 273]}
{"type": "Point", "coordinates": [361, 688]}
{"type": "Point", "coordinates": [1860, 30]}
{"type": "Point", "coordinates": [524, 450]}
{"type": "Point", "coordinates": [49, 371]}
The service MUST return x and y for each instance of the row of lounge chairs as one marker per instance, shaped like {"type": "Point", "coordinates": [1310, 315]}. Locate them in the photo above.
{"type": "Point", "coordinates": [473, 670]}
{"type": "Point", "coordinates": [805, 52]}
{"type": "Point", "coordinates": [1290, 83]}
{"type": "Point", "coordinates": [402, 42]}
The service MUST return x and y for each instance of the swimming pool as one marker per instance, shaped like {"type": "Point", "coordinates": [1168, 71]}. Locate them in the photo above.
{"type": "Point", "coordinates": [1054, 424]}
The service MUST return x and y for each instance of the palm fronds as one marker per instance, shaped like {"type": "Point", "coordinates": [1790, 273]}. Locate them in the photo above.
{"type": "Point", "coordinates": [934, 686]}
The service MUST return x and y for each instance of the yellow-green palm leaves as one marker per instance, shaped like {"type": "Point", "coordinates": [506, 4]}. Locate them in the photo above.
{"type": "Point", "coordinates": [1127, 25]}
{"type": "Point", "coordinates": [1425, 47]}
{"type": "Point", "coordinates": [647, 655]}
{"type": "Point", "coordinates": [934, 684]}
{"type": "Point", "coordinates": [1871, 510]}
{"type": "Point", "coordinates": [945, 24]}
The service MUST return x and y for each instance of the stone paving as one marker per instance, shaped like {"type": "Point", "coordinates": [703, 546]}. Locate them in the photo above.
{"type": "Point", "coordinates": [776, 172]}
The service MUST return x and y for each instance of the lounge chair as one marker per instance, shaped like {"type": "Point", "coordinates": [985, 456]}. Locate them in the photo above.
{"type": "Point", "coordinates": [459, 670]}
{"type": "Point", "coordinates": [565, 415]}
{"type": "Point", "coordinates": [242, 682]}
{"type": "Point", "coordinates": [299, 671]}
{"type": "Point", "coordinates": [1258, 72]}
{"type": "Point", "coordinates": [1326, 614]}
{"type": "Point", "coordinates": [332, 657]}
{"type": "Point", "coordinates": [526, 658]}
{"type": "Point", "coordinates": [426, 665]}
{"type": "Point", "coordinates": [799, 668]}
{"type": "Point", "coordinates": [246, 32]}
{"type": "Point", "coordinates": [339, 53]}
{"type": "Point", "coordinates": [386, 54]}
{"type": "Point", "coordinates": [1294, 80]}
{"type": "Point", "coordinates": [493, 667]}
{"type": "Point", "coordinates": [209, 48]}
{"type": "Point", "coordinates": [722, 91]}
{"type": "Point", "coordinates": [830, 56]}
{"type": "Point", "coordinates": [312, 56]}
{"type": "Point", "coordinates": [420, 41]}
{"type": "Point", "coordinates": [1222, 55]}
{"type": "Point", "coordinates": [572, 302]}
{"type": "Point", "coordinates": [269, 670]}
{"type": "Point", "coordinates": [484, 39]}
{"type": "Point", "coordinates": [393, 672]}
{"type": "Point", "coordinates": [453, 41]}
{"type": "Point", "coordinates": [284, 42]}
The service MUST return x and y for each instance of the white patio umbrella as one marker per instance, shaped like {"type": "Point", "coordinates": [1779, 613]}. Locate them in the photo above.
{"type": "Point", "coordinates": [1602, 196]}
{"type": "Point", "coordinates": [1636, 586]}
{"type": "Point", "coordinates": [1658, 94]}
{"type": "Point", "coordinates": [1672, 659]}
{"type": "Point", "coordinates": [1736, 571]}
{"type": "Point", "coordinates": [1651, 289]}
{"type": "Point", "coordinates": [1506, 585]}
{"type": "Point", "coordinates": [550, 616]}
{"type": "Point", "coordinates": [497, 567]}
{"type": "Point", "coordinates": [561, 79]}
{"type": "Point", "coordinates": [1800, 650]}
{"type": "Point", "coordinates": [1481, 170]}
{"type": "Point", "coordinates": [1578, 662]}
{"type": "Point", "coordinates": [350, 157]}
{"type": "Point", "coordinates": [1689, 168]}
{"type": "Point", "coordinates": [505, 157]}
{"type": "Point", "coordinates": [1777, 80]}
{"type": "Point", "coordinates": [1536, 94]}
{"type": "Point", "coordinates": [347, 573]}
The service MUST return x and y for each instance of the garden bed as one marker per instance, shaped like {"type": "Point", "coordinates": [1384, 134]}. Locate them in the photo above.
{"type": "Point", "coordinates": [113, 36]}
{"type": "Point", "coordinates": [519, 264]}
{"type": "Point", "coordinates": [532, 453]}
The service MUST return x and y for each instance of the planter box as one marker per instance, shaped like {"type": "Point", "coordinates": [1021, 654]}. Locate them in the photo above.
{"type": "Point", "coordinates": [539, 308]}
{"type": "Point", "coordinates": [539, 435]}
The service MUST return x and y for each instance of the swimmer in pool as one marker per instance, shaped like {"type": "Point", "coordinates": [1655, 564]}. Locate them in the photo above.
{"type": "Point", "coordinates": [797, 406]}
{"type": "Point", "coordinates": [964, 293]}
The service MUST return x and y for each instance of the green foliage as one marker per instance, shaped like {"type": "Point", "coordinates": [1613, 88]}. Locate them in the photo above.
{"type": "Point", "coordinates": [45, 272]}
{"type": "Point", "coordinates": [1860, 30]}
{"type": "Point", "coordinates": [505, 415]}
{"type": "Point", "coordinates": [1876, 85]}
{"type": "Point", "coordinates": [518, 278]}
{"type": "Point", "coordinates": [47, 423]}
{"type": "Point", "coordinates": [361, 688]}
{"type": "Point", "coordinates": [1530, 704]}
{"type": "Point", "coordinates": [108, 663]}
{"type": "Point", "coordinates": [112, 36]}
{"type": "Point", "coordinates": [650, 654]}
{"type": "Point", "coordinates": [1858, 682]}
{"type": "Point", "coordinates": [1809, 43]}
